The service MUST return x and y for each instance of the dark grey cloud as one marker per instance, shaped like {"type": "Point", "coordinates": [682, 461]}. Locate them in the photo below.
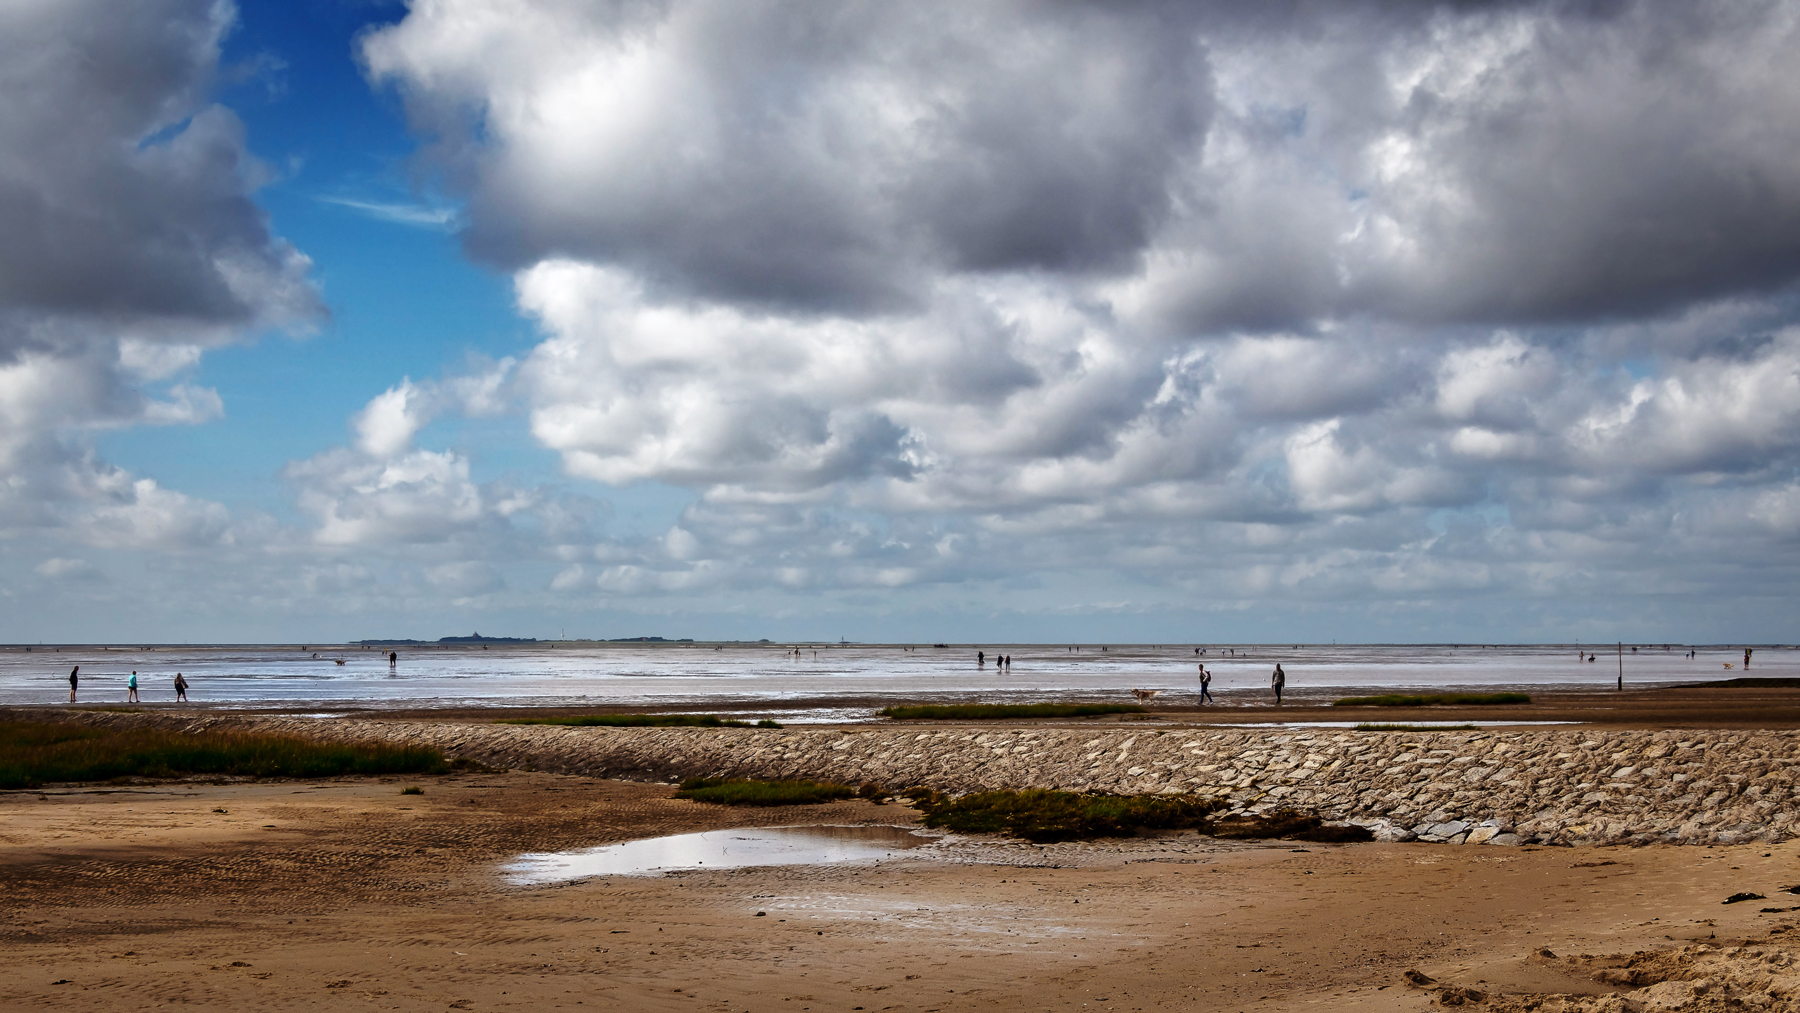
{"type": "Point", "coordinates": [1274, 164]}
{"type": "Point", "coordinates": [126, 202]}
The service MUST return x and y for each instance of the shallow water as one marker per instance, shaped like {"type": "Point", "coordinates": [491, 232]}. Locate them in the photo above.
{"type": "Point", "coordinates": [715, 849]}
{"type": "Point", "coordinates": [694, 676]}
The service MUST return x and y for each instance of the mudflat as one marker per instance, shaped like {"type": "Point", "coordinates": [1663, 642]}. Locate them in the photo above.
{"type": "Point", "coordinates": [1746, 703]}
{"type": "Point", "coordinates": [348, 894]}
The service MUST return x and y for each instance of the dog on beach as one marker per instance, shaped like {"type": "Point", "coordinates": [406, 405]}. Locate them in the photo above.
{"type": "Point", "coordinates": [1145, 694]}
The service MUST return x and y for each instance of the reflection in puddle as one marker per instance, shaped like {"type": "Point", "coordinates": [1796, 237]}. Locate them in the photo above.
{"type": "Point", "coordinates": [715, 849]}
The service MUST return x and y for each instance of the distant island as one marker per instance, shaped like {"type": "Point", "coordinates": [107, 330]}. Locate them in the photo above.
{"type": "Point", "coordinates": [479, 639]}
{"type": "Point", "coordinates": [649, 640]}
{"type": "Point", "coordinates": [475, 639]}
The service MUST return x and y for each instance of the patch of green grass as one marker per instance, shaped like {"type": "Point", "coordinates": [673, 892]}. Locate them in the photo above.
{"type": "Point", "coordinates": [1371, 727]}
{"type": "Point", "coordinates": [1438, 700]}
{"type": "Point", "coordinates": [35, 752]}
{"type": "Point", "coordinates": [730, 791]}
{"type": "Point", "coordinates": [642, 721]}
{"type": "Point", "coordinates": [1044, 816]}
{"type": "Point", "coordinates": [999, 711]}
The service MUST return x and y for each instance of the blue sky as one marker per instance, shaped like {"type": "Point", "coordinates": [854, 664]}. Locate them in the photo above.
{"type": "Point", "coordinates": [323, 320]}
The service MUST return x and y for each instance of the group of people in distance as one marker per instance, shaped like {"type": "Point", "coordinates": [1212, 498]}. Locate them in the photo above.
{"type": "Point", "coordinates": [1002, 662]}
{"type": "Point", "coordinates": [131, 686]}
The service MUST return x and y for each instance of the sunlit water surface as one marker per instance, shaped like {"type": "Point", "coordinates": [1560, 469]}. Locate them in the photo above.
{"type": "Point", "coordinates": [769, 679]}
{"type": "Point", "coordinates": [715, 849]}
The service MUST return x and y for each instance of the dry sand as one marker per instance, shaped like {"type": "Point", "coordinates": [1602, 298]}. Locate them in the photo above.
{"type": "Point", "coordinates": [345, 894]}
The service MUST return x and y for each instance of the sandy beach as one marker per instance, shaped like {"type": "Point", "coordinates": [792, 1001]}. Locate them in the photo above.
{"type": "Point", "coordinates": [347, 893]}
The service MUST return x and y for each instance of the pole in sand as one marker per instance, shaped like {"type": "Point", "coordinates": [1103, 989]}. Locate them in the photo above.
{"type": "Point", "coordinates": [1621, 666]}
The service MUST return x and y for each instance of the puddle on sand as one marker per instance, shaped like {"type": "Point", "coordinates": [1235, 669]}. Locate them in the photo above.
{"type": "Point", "coordinates": [715, 849]}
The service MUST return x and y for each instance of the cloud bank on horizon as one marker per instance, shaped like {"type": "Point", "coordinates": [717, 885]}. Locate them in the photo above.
{"type": "Point", "coordinates": [1479, 320]}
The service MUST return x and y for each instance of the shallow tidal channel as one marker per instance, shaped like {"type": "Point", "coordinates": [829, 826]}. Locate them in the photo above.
{"type": "Point", "coordinates": [715, 849]}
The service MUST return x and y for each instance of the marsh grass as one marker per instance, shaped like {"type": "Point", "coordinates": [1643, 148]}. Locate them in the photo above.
{"type": "Point", "coordinates": [412, 789]}
{"type": "Point", "coordinates": [1373, 727]}
{"type": "Point", "coordinates": [1439, 700]}
{"type": "Point", "coordinates": [35, 752]}
{"type": "Point", "coordinates": [642, 721]}
{"type": "Point", "coordinates": [1286, 824]}
{"type": "Point", "coordinates": [1001, 711]}
{"type": "Point", "coordinates": [1045, 816]}
{"type": "Point", "coordinates": [727, 791]}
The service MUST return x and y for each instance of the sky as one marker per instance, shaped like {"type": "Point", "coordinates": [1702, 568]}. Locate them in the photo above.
{"type": "Point", "coordinates": [1158, 322]}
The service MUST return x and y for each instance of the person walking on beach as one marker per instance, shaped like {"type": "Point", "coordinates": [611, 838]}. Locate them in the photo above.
{"type": "Point", "coordinates": [393, 658]}
{"type": "Point", "coordinates": [131, 688]}
{"type": "Point", "coordinates": [980, 659]}
{"type": "Point", "coordinates": [1747, 653]}
{"type": "Point", "coordinates": [74, 681]}
{"type": "Point", "coordinates": [1206, 685]}
{"type": "Point", "coordinates": [180, 687]}
{"type": "Point", "coordinates": [1278, 682]}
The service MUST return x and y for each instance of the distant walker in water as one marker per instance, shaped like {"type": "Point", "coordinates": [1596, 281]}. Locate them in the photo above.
{"type": "Point", "coordinates": [180, 687]}
{"type": "Point", "coordinates": [393, 658]}
{"type": "Point", "coordinates": [1278, 682]}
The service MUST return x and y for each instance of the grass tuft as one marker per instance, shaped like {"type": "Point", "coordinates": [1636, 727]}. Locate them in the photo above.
{"type": "Point", "coordinates": [1042, 815]}
{"type": "Point", "coordinates": [1374, 727]}
{"type": "Point", "coordinates": [1438, 700]}
{"type": "Point", "coordinates": [412, 790]}
{"type": "Point", "coordinates": [727, 791]}
{"type": "Point", "coordinates": [641, 721]}
{"type": "Point", "coordinates": [999, 711]}
{"type": "Point", "coordinates": [35, 752]}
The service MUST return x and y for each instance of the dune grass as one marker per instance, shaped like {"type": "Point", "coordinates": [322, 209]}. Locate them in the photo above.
{"type": "Point", "coordinates": [1001, 711]}
{"type": "Point", "coordinates": [1438, 700]}
{"type": "Point", "coordinates": [1045, 816]}
{"type": "Point", "coordinates": [1374, 727]}
{"type": "Point", "coordinates": [732, 791]}
{"type": "Point", "coordinates": [642, 721]}
{"type": "Point", "coordinates": [37, 752]}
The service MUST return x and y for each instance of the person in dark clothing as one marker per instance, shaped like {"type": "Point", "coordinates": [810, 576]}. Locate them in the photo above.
{"type": "Point", "coordinates": [393, 658]}
{"type": "Point", "coordinates": [980, 659]}
{"type": "Point", "coordinates": [74, 681]}
{"type": "Point", "coordinates": [1278, 682]}
{"type": "Point", "coordinates": [1206, 686]}
{"type": "Point", "coordinates": [180, 687]}
{"type": "Point", "coordinates": [1747, 653]}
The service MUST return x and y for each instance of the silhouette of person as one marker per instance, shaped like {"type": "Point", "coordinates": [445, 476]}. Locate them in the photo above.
{"type": "Point", "coordinates": [131, 695]}
{"type": "Point", "coordinates": [1278, 682]}
{"type": "Point", "coordinates": [1747, 653]}
{"type": "Point", "coordinates": [980, 659]}
{"type": "Point", "coordinates": [74, 681]}
{"type": "Point", "coordinates": [393, 658]}
{"type": "Point", "coordinates": [1206, 685]}
{"type": "Point", "coordinates": [180, 687]}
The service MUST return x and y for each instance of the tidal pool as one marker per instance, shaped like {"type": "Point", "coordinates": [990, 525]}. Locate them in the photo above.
{"type": "Point", "coordinates": [714, 849]}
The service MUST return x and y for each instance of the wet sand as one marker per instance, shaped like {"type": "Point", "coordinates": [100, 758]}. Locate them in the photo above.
{"type": "Point", "coordinates": [347, 894]}
{"type": "Point", "coordinates": [1771, 705]}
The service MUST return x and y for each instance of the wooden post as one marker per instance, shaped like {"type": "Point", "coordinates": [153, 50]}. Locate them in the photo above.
{"type": "Point", "coordinates": [1621, 666]}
